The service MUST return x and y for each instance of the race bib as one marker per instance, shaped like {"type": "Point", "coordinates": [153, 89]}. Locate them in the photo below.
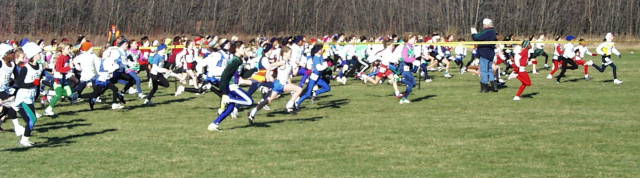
{"type": "Point", "coordinates": [314, 76]}
{"type": "Point", "coordinates": [407, 68]}
{"type": "Point", "coordinates": [383, 70]}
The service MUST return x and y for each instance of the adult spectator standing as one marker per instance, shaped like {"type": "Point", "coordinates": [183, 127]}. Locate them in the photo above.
{"type": "Point", "coordinates": [113, 35]}
{"type": "Point", "coordinates": [486, 53]}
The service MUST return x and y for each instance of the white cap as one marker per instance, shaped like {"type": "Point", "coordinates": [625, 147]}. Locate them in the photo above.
{"type": "Point", "coordinates": [609, 37]}
{"type": "Point", "coordinates": [487, 21]}
{"type": "Point", "coordinates": [31, 49]}
{"type": "Point", "coordinates": [4, 48]}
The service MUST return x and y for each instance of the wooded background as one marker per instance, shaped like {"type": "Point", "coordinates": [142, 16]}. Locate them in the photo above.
{"type": "Point", "coordinates": [316, 17]}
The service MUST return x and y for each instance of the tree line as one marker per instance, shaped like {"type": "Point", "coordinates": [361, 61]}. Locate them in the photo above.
{"type": "Point", "coordinates": [317, 17]}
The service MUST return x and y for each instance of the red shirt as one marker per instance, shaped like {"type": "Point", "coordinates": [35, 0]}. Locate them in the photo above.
{"type": "Point", "coordinates": [174, 52]}
{"type": "Point", "coordinates": [63, 64]}
{"type": "Point", "coordinates": [524, 59]}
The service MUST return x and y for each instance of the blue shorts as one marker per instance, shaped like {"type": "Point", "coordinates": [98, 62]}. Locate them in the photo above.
{"type": "Point", "coordinates": [213, 80]}
{"type": "Point", "coordinates": [373, 73]}
{"type": "Point", "coordinates": [102, 83]}
{"type": "Point", "coordinates": [278, 87]}
{"type": "Point", "coordinates": [393, 67]}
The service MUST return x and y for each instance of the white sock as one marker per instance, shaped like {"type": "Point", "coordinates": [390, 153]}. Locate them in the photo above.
{"type": "Point", "coordinates": [16, 123]}
{"type": "Point", "coordinates": [254, 111]}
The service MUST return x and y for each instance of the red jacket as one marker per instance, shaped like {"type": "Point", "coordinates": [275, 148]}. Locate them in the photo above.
{"type": "Point", "coordinates": [63, 64]}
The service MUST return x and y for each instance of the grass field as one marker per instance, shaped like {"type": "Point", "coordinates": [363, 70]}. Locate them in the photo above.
{"type": "Point", "coordinates": [574, 129]}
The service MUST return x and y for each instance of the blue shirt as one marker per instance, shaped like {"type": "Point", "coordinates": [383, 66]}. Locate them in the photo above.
{"type": "Point", "coordinates": [317, 60]}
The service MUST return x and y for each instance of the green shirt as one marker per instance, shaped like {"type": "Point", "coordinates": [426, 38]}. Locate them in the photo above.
{"type": "Point", "coordinates": [227, 74]}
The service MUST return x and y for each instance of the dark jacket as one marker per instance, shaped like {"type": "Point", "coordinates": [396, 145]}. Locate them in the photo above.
{"type": "Point", "coordinates": [486, 50]}
{"type": "Point", "coordinates": [228, 72]}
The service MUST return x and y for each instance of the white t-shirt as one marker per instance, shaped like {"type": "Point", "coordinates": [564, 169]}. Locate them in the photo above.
{"type": "Point", "coordinates": [6, 72]}
{"type": "Point", "coordinates": [284, 73]}
{"type": "Point", "coordinates": [215, 63]}
{"type": "Point", "coordinates": [569, 51]}
{"type": "Point", "coordinates": [85, 62]}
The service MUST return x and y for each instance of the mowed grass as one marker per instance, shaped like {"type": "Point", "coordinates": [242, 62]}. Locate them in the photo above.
{"type": "Point", "coordinates": [573, 129]}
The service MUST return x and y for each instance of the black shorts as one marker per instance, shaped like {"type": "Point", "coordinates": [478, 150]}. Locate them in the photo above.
{"type": "Point", "coordinates": [5, 95]}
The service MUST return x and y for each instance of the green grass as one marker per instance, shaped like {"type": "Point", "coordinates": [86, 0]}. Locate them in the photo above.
{"type": "Point", "coordinates": [573, 129]}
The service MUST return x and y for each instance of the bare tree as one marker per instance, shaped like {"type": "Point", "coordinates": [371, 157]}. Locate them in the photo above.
{"type": "Point", "coordinates": [315, 17]}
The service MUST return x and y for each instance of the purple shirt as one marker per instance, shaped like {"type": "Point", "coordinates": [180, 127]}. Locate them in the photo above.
{"type": "Point", "coordinates": [408, 53]}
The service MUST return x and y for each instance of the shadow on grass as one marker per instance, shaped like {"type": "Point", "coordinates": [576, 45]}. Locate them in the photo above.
{"type": "Point", "coordinates": [58, 141]}
{"type": "Point", "coordinates": [338, 103]}
{"type": "Point", "coordinates": [268, 123]}
{"type": "Point", "coordinates": [323, 96]}
{"type": "Point", "coordinates": [179, 100]}
{"type": "Point", "coordinates": [423, 98]}
{"type": "Point", "coordinates": [60, 125]}
{"type": "Point", "coordinates": [321, 105]}
{"type": "Point", "coordinates": [530, 95]}
{"type": "Point", "coordinates": [97, 108]}
{"type": "Point", "coordinates": [575, 80]}
{"type": "Point", "coordinates": [278, 112]}
{"type": "Point", "coordinates": [82, 110]}
{"type": "Point", "coordinates": [61, 122]}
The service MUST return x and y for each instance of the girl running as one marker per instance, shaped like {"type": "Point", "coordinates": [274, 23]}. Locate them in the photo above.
{"type": "Point", "coordinates": [27, 79]}
{"type": "Point", "coordinates": [281, 85]}
{"type": "Point", "coordinates": [521, 60]}
{"type": "Point", "coordinates": [319, 65]}
{"type": "Point", "coordinates": [606, 49]}
{"type": "Point", "coordinates": [232, 94]}
{"type": "Point", "coordinates": [61, 74]}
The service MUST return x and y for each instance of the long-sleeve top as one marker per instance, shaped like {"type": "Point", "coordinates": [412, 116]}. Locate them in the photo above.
{"type": "Point", "coordinates": [607, 48]}
{"type": "Point", "coordinates": [133, 59]}
{"type": "Point", "coordinates": [157, 64]}
{"type": "Point", "coordinates": [568, 51]}
{"type": "Point", "coordinates": [27, 76]}
{"type": "Point", "coordinates": [121, 60]}
{"type": "Point", "coordinates": [522, 60]}
{"type": "Point", "coordinates": [408, 53]}
{"type": "Point", "coordinates": [105, 68]}
{"type": "Point", "coordinates": [387, 56]}
{"type": "Point", "coordinates": [319, 64]}
{"type": "Point", "coordinates": [582, 51]}
{"type": "Point", "coordinates": [63, 64]}
{"type": "Point", "coordinates": [215, 64]}
{"type": "Point", "coordinates": [227, 74]}
{"type": "Point", "coordinates": [486, 50]}
{"type": "Point", "coordinates": [297, 53]}
{"type": "Point", "coordinates": [85, 62]}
